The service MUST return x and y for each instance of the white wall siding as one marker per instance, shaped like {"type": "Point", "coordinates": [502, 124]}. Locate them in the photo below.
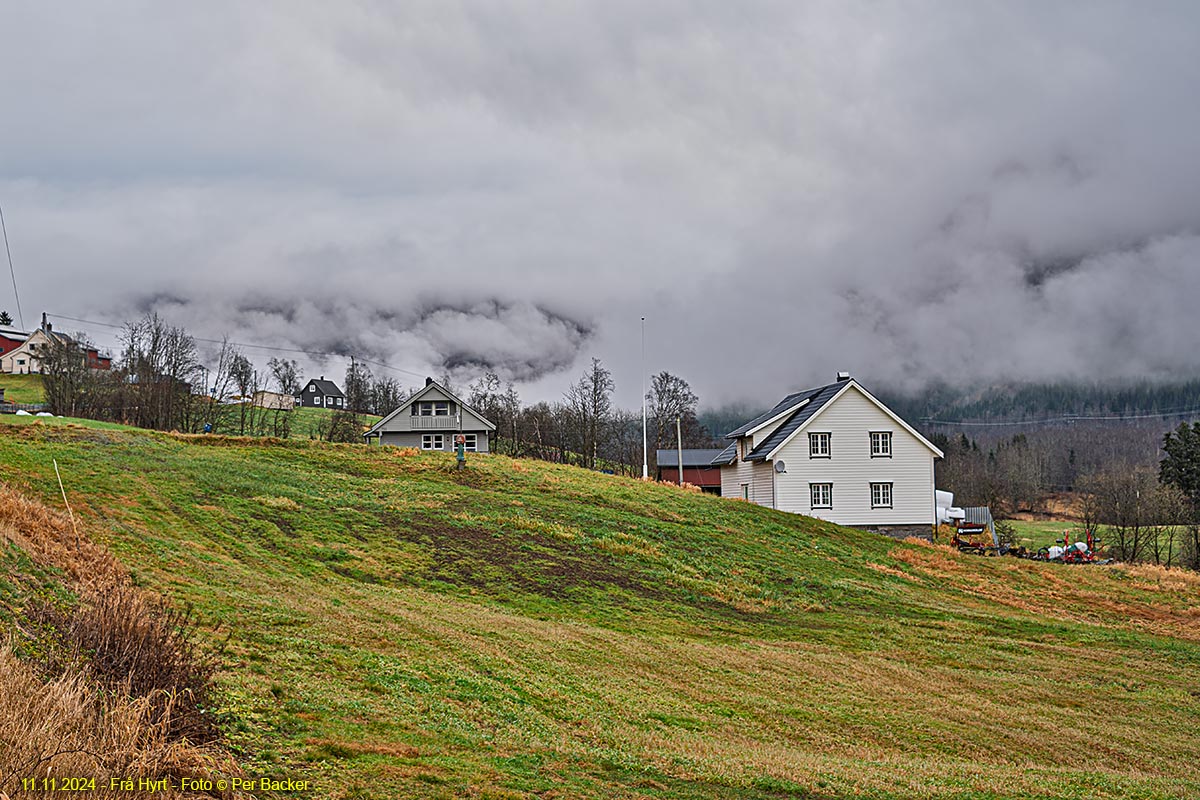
{"type": "Point", "coordinates": [763, 486]}
{"type": "Point", "coordinates": [851, 469]}
{"type": "Point", "coordinates": [405, 439]}
{"type": "Point", "coordinates": [734, 475]}
{"type": "Point", "coordinates": [757, 479]}
{"type": "Point", "coordinates": [761, 436]}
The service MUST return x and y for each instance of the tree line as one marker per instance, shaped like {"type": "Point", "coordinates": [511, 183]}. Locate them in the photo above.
{"type": "Point", "coordinates": [1137, 486]}
{"type": "Point", "coordinates": [153, 384]}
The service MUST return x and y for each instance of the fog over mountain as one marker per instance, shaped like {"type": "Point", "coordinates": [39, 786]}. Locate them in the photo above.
{"type": "Point", "coordinates": [960, 191]}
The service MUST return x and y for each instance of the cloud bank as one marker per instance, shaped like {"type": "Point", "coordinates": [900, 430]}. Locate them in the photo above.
{"type": "Point", "coordinates": [974, 192]}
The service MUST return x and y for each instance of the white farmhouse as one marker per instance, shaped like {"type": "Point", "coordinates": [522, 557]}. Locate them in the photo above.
{"type": "Point", "coordinates": [837, 453]}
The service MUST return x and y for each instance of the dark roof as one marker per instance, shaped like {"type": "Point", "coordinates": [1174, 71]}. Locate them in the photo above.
{"type": "Point", "coordinates": [783, 405]}
{"type": "Point", "coordinates": [726, 456]}
{"type": "Point", "coordinates": [691, 458]}
{"type": "Point", "coordinates": [817, 398]}
{"type": "Point", "coordinates": [327, 388]}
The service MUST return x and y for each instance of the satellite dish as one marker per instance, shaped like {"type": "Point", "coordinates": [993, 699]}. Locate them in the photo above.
{"type": "Point", "coordinates": [780, 466]}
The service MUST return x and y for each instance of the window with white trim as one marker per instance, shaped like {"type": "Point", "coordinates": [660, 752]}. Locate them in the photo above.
{"type": "Point", "coordinates": [881, 444]}
{"type": "Point", "coordinates": [471, 442]}
{"type": "Point", "coordinates": [431, 408]}
{"type": "Point", "coordinates": [818, 445]}
{"type": "Point", "coordinates": [745, 491]}
{"type": "Point", "coordinates": [881, 495]}
{"type": "Point", "coordinates": [822, 495]}
{"type": "Point", "coordinates": [433, 441]}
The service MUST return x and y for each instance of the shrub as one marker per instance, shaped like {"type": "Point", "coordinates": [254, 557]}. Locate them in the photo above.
{"type": "Point", "coordinates": [133, 644]}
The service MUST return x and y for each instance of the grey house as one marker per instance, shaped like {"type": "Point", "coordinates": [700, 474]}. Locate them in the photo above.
{"type": "Point", "coordinates": [320, 393]}
{"type": "Point", "coordinates": [430, 419]}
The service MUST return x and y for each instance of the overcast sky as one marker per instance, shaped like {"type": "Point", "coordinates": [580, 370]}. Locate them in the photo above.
{"type": "Point", "coordinates": [963, 190]}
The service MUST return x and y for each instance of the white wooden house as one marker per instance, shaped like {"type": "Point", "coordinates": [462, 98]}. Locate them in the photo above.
{"type": "Point", "coordinates": [430, 419]}
{"type": "Point", "coordinates": [837, 453]}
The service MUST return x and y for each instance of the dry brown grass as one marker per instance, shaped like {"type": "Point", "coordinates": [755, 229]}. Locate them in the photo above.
{"type": "Point", "coordinates": [134, 645]}
{"type": "Point", "coordinates": [121, 689]}
{"type": "Point", "coordinates": [896, 573]}
{"type": "Point", "coordinates": [64, 728]}
{"type": "Point", "coordinates": [49, 538]}
{"type": "Point", "coordinates": [1082, 593]}
{"type": "Point", "coordinates": [1160, 577]}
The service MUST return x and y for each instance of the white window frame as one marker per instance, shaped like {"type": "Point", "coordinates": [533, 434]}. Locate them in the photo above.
{"type": "Point", "coordinates": [312, 389]}
{"type": "Point", "coordinates": [425, 408]}
{"type": "Point", "coordinates": [815, 440]}
{"type": "Point", "coordinates": [441, 408]}
{"type": "Point", "coordinates": [881, 444]}
{"type": "Point", "coordinates": [471, 442]}
{"type": "Point", "coordinates": [820, 495]}
{"type": "Point", "coordinates": [745, 491]}
{"type": "Point", "coordinates": [433, 441]}
{"type": "Point", "coordinates": [881, 495]}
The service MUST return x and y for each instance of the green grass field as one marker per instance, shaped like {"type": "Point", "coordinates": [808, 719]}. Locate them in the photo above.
{"type": "Point", "coordinates": [306, 421]}
{"type": "Point", "coordinates": [22, 388]}
{"type": "Point", "coordinates": [1043, 533]}
{"type": "Point", "coordinates": [527, 630]}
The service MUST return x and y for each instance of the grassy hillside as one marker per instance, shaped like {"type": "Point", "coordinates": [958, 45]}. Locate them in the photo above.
{"type": "Point", "coordinates": [400, 629]}
{"type": "Point", "coordinates": [306, 422]}
{"type": "Point", "coordinates": [22, 388]}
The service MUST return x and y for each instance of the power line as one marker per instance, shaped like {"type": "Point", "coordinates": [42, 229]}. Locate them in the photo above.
{"type": "Point", "coordinates": [1188, 412]}
{"type": "Point", "coordinates": [273, 348]}
{"type": "Point", "coordinates": [11, 271]}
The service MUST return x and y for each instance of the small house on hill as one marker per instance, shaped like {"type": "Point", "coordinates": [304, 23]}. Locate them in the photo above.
{"type": "Point", "coordinates": [320, 393]}
{"type": "Point", "coordinates": [26, 357]}
{"type": "Point", "coordinates": [430, 420]}
{"type": "Point", "coordinates": [838, 453]}
{"type": "Point", "coordinates": [698, 468]}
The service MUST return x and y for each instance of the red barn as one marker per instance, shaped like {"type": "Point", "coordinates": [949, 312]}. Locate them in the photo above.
{"type": "Point", "coordinates": [11, 339]}
{"type": "Point", "coordinates": [698, 468]}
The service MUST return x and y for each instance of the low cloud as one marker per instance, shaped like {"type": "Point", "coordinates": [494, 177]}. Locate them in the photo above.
{"type": "Point", "coordinates": [972, 194]}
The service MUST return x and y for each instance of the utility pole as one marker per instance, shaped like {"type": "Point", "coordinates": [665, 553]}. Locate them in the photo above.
{"type": "Point", "coordinates": [645, 457]}
{"type": "Point", "coordinates": [679, 443]}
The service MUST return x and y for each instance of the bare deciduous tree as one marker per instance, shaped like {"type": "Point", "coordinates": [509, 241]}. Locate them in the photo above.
{"type": "Point", "coordinates": [588, 406]}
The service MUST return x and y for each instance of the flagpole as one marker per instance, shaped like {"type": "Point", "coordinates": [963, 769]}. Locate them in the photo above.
{"type": "Point", "coordinates": [645, 456]}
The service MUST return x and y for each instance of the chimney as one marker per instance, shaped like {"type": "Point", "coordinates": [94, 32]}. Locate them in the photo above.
{"type": "Point", "coordinates": [322, 377]}
{"type": "Point", "coordinates": [843, 377]}
{"type": "Point", "coordinates": [428, 381]}
{"type": "Point", "coordinates": [46, 326]}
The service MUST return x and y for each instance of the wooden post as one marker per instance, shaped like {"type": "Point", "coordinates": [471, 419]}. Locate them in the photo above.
{"type": "Point", "coordinates": [679, 442]}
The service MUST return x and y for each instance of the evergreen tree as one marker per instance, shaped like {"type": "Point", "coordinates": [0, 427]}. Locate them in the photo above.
{"type": "Point", "coordinates": [1180, 466]}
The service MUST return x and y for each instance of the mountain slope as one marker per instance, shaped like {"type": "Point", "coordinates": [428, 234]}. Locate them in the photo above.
{"type": "Point", "coordinates": [519, 629]}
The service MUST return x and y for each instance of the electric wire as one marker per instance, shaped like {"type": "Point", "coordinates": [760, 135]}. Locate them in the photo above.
{"type": "Point", "coordinates": [1185, 412]}
{"type": "Point", "coordinates": [11, 271]}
